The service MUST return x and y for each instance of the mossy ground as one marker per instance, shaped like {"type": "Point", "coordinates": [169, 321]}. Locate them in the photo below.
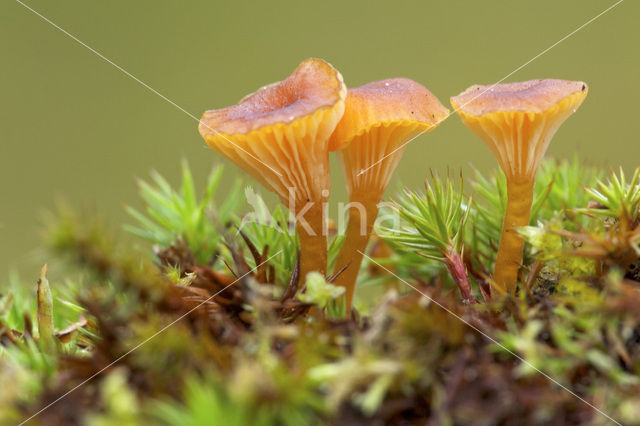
{"type": "Point", "coordinates": [213, 326]}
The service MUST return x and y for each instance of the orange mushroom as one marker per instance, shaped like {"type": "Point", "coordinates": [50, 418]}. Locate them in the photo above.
{"type": "Point", "coordinates": [517, 122]}
{"type": "Point", "coordinates": [379, 119]}
{"type": "Point", "coordinates": [280, 135]}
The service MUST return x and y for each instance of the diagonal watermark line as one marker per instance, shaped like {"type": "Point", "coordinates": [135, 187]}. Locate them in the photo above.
{"type": "Point", "coordinates": [363, 171]}
{"type": "Point", "coordinates": [494, 341]}
{"type": "Point", "coordinates": [145, 341]}
{"type": "Point", "coordinates": [142, 83]}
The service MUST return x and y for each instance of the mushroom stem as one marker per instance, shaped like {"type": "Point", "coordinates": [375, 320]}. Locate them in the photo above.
{"type": "Point", "coordinates": [363, 211]}
{"type": "Point", "coordinates": [313, 239]}
{"type": "Point", "coordinates": [509, 259]}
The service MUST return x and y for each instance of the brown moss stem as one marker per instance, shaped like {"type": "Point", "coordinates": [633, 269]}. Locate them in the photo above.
{"type": "Point", "coordinates": [458, 271]}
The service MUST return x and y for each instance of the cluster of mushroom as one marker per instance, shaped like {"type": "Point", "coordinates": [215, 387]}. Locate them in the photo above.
{"type": "Point", "coordinates": [282, 136]}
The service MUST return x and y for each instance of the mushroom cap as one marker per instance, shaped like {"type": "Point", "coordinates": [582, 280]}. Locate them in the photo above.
{"type": "Point", "coordinates": [518, 120]}
{"type": "Point", "coordinates": [527, 96]}
{"type": "Point", "coordinates": [279, 134]}
{"type": "Point", "coordinates": [393, 102]}
{"type": "Point", "coordinates": [379, 118]}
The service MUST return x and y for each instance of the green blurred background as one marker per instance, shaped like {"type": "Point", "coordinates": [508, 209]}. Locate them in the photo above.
{"type": "Point", "coordinates": [73, 127]}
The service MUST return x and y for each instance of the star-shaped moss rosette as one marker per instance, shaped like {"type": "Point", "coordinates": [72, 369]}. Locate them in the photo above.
{"type": "Point", "coordinates": [433, 226]}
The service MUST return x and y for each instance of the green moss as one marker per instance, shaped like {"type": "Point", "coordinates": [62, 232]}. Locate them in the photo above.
{"type": "Point", "coordinates": [199, 335]}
